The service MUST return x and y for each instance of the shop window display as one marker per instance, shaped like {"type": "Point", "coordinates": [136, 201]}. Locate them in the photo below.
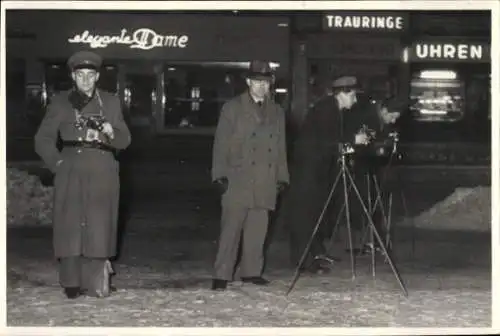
{"type": "Point", "coordinates": [437, 96]}
{"type": "Point", "coordinates": [195, 93]}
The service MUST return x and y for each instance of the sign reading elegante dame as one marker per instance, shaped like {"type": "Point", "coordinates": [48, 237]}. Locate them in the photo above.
{"type": "Point", "coordinates": [142, 38]}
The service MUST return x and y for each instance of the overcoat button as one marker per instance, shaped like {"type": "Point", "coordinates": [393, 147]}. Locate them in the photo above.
{"type": "Point", "coordinates": [253, 134]}
{"type": "Point", "coordinates": [80, 138]}
{"type": "Point", "coordinates": [79, 151]}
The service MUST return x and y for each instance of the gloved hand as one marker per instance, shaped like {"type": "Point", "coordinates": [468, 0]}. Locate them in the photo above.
{"type": "Point", "coordinates": [282, 186]}
{"type": "Point", "coordinates": [221, 184]}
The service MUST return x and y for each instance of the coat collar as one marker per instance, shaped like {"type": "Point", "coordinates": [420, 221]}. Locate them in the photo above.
{"type": "Point", "coordinates": [263, 114]}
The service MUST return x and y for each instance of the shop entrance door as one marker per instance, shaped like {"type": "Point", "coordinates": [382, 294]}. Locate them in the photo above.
{"type": "Point", "coordinates": [139, 99]}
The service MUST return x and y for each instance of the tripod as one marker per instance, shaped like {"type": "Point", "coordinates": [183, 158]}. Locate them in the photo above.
{"type": "Point", "coordinates": [348, 183]}
{"type": "Point", "coordinates": [377, 204]}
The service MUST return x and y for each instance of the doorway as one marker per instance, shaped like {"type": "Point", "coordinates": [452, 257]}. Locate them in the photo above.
{"type": "Point", "coordinates": [139, 98]}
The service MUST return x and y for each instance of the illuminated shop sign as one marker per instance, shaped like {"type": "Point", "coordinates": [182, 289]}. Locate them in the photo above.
{"type": "Point", "coordinates": [364, 21]}
{"type": "Point", "coordinates": [451, 52]}
{"type": "Point", "coordinates": [143, 38]}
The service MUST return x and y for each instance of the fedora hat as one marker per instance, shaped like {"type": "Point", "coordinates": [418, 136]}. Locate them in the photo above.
{"type": "Point", "coordinates": [260, 70]}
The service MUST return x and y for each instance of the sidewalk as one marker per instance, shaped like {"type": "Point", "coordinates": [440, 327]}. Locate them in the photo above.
{"type": "Point", "coordinates": [164, 274]}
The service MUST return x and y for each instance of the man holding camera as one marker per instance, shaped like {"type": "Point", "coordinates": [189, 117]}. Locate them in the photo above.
{"type": "Point", "coordinates": [315, 162]}
{"type": "Point", "coordinates": [91, 126]}
{"type": "Point", "coordinates": [369, 171]}
{"type": "Point", "coordinates": [249, 169]}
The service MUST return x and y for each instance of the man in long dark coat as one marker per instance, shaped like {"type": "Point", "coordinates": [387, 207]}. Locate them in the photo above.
{"type": "Point", "coordinates": [315, 165]}
{"type": "Point", "coordinates": [249, 167]}
{"type": "Point", "coordinates": [91, 126]}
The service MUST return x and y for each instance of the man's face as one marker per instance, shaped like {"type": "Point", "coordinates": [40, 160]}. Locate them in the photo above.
{"type": "Point", "coordinates": [259, 88]}
{"type": "Point", "coordinates": [347, 99]}
{"type": "Point", "coordinates": [85, 79]}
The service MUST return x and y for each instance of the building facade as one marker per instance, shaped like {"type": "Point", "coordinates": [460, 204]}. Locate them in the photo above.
{"type": "Point", "coordinates": [433, 63]}
{"type": "Point", "coordinates": [172, 71]}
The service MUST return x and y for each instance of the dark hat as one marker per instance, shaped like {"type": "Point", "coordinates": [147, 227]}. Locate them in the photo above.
{"type": "Point", "coordinates": [260, 70]}
{"type": "Point", "coordinates": [84, 60]}
{"type": "Point", "coordinates": [346, 82]}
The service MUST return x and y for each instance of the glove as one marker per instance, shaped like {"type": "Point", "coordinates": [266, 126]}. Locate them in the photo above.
{"type": "Point", "coordinates": [221, 184]}
{"type": "Point", "coordinates": [282, 186]}
{"type": "Point", "coordinates": [107, 129]}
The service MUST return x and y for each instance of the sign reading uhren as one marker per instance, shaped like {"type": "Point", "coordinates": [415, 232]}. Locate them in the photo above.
{"type": "Point", "coordinates": [142, 38]}
{"type": "Point", "coordinates": [478, 52]}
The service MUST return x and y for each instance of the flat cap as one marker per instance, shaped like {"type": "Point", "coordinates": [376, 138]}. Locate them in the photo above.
{"type": "Point", "coordinates": [260, 70]}
{"type": "Point", "coordinates": [345, 82]}
{"type": "Point", "coordinates": [84, 60]}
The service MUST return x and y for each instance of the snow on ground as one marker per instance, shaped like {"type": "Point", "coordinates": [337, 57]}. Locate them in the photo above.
{"type": "Point", "coordinates": [164, 278]}
{"type": "Point", "coordinates": [156, 289]}
{"type": "Point", "coordinates": [464, 209]}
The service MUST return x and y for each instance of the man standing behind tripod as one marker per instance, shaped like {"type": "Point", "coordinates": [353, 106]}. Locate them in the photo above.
{"type": "Point", "coordinates": [314, 163]}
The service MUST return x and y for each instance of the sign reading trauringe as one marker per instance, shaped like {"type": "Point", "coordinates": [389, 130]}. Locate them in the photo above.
{"type": "Point", "coordinates": [365, 21]}
{"type": "Point", "coordinates": [142, 38]}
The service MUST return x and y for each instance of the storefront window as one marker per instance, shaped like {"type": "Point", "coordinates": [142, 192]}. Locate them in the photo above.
{"type": "Point", "coordinates": [58, 78]}
{"type": "Point", "coordinates": [378, 79]}
{"type": "Point", "coordinates": [16, 114]}
{"type": "Point", "coordinates": [194, 93]}
{"type": "Point", "coordinates": [437, 96]}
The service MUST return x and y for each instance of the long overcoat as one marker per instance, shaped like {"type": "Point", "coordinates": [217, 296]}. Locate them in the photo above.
{"type": "Point", "coordinates": [86, 181]}
{"type": "Point", "coordinates": [250, 151]}
{"type": "Point", "coordinates": [314, 167]}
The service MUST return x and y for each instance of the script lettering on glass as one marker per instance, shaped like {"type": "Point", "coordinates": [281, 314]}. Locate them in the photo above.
{"type": "Point", "coordinates": [364, 22]}
{"type": "Point", "coordinates": [142, 38]}
{"type": "Point", "coordinates": [449, 51]}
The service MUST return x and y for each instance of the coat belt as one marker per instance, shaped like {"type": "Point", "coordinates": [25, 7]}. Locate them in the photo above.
{"type": "Point", "coordinates": [88, 144]}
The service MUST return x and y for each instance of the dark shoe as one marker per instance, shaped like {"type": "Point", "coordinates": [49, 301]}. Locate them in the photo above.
{"type": "Point", "coordinates": [257, 280]}
{"type": "Point", "coordinates": [326, 260]}
{"type": "Point", "coordinates": [72, 292]}
{"type": "Point", "coordinates": [218, 284]}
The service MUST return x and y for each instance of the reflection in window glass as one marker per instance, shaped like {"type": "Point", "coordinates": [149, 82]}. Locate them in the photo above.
{"type": "Point", "coordinates": [194, 93]}
{"type": "Point", "coordinates": [437, 97]}
{"type": "Point", "coordinates": [58, 78]}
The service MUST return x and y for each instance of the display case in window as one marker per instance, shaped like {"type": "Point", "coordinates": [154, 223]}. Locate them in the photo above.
{"type": "Point", "coordinates": [194, 92]}
{"type": "Point", "coordinates": [437, 96]}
